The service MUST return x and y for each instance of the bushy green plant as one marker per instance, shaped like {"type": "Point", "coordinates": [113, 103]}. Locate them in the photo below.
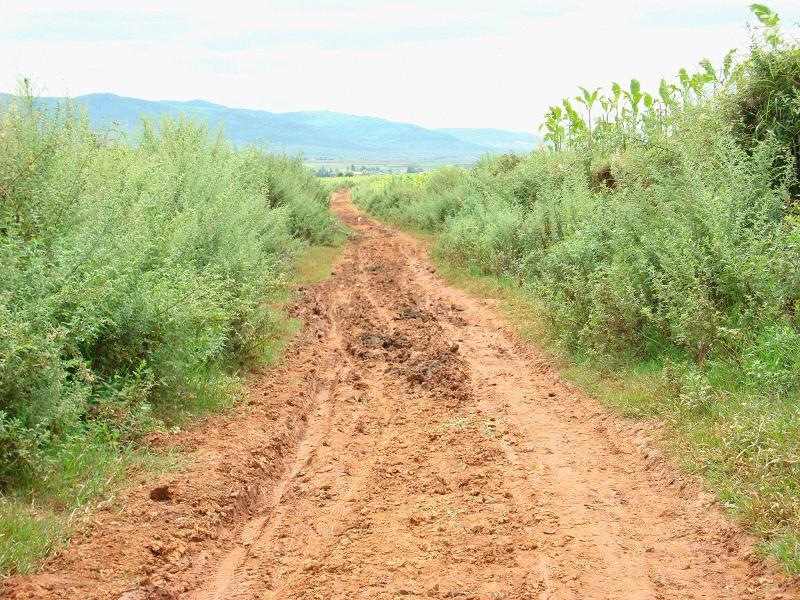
{"type": "Point", "coordinates": [766, 102]}
{"type": "Point", "coordinates": [133, 277]}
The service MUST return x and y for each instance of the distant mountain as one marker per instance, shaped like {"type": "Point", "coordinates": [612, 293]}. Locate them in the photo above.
{"type": "Point", "coordinates": [499, 140]}
{"type": "Point", "coordinates": [318, 135]}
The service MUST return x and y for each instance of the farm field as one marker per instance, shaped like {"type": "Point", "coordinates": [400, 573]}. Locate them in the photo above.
{"type": "Point", "coordinates": [377, 167]}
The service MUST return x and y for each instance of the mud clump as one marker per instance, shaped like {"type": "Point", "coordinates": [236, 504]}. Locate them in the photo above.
{"type": "Point", "coordinates": [413, 313]}
{"type": "Point", "coordinates": [375, 340]}
{"type": "Point", "coordinates": [161, 493]}
{"type": "Point", "coordinates": [366, 345]}
{"type": "Point", "coordinates": [441, 371]}
{"type": "Point", "coordinates": [149, 592]}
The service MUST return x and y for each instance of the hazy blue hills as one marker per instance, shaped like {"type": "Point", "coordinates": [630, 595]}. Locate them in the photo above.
{"type": "Point", "coordinates": [318, 135]}
{"type": "Point", "coordinates": [499, 140]}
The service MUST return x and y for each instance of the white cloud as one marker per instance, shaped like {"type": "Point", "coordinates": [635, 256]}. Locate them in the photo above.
{"type": "Point", "coordinates": [447, 63]}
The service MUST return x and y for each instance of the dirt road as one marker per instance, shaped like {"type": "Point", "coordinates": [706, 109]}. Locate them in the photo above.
{"type": "Point", "coordinates": [411, 446]}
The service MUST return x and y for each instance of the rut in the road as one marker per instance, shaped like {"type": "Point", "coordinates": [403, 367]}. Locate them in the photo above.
{"type": "Point", "coordinates": [439, 457]}
{"type": "Point", "coordinates": [408, 477]}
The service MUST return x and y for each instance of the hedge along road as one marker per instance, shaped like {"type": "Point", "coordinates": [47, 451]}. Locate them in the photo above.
{"type": "Point", "coordinates": [410, 445]}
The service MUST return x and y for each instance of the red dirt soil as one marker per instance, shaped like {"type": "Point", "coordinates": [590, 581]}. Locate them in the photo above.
{"type": "Point", "coordinates": [411, 446]}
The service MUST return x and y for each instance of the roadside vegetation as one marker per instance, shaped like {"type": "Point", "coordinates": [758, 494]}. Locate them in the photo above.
{"type": "Point", "coordinates": [654, 242]}
{"type": "Point", "coordinates": [137, 278]}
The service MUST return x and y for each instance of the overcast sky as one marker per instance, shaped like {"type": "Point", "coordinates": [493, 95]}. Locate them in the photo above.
{"type": "Point", "coordinates": [437, 63]}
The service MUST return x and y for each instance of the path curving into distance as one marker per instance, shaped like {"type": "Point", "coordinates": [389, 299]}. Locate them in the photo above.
{"type": "Point", "coordinates": [411, 446]}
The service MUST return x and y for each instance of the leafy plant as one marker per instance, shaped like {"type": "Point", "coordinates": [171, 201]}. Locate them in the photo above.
{"type": "Point", "coordinates": [133, 287]}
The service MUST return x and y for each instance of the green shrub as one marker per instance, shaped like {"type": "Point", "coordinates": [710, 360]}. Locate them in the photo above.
{"type": "Point", "coordinates": [133, 278]}
{"type": "Point", "coordinates": [766, 102]}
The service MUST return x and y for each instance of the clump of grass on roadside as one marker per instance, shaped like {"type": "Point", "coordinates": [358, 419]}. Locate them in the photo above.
{"type": "Point", "coordinates": [136, 279]}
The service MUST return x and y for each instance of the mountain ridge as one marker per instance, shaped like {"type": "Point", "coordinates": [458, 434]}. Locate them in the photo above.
{"type": "Point", "coordinates": [318, 135]}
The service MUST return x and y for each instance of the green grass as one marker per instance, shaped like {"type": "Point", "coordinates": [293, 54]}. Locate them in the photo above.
{"type": "Point", "coordinates": [317, 264]}
{"type": "Point", "coordinates": [28, 533]}
{"type": "Point", "coordinates": [39, 521]}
